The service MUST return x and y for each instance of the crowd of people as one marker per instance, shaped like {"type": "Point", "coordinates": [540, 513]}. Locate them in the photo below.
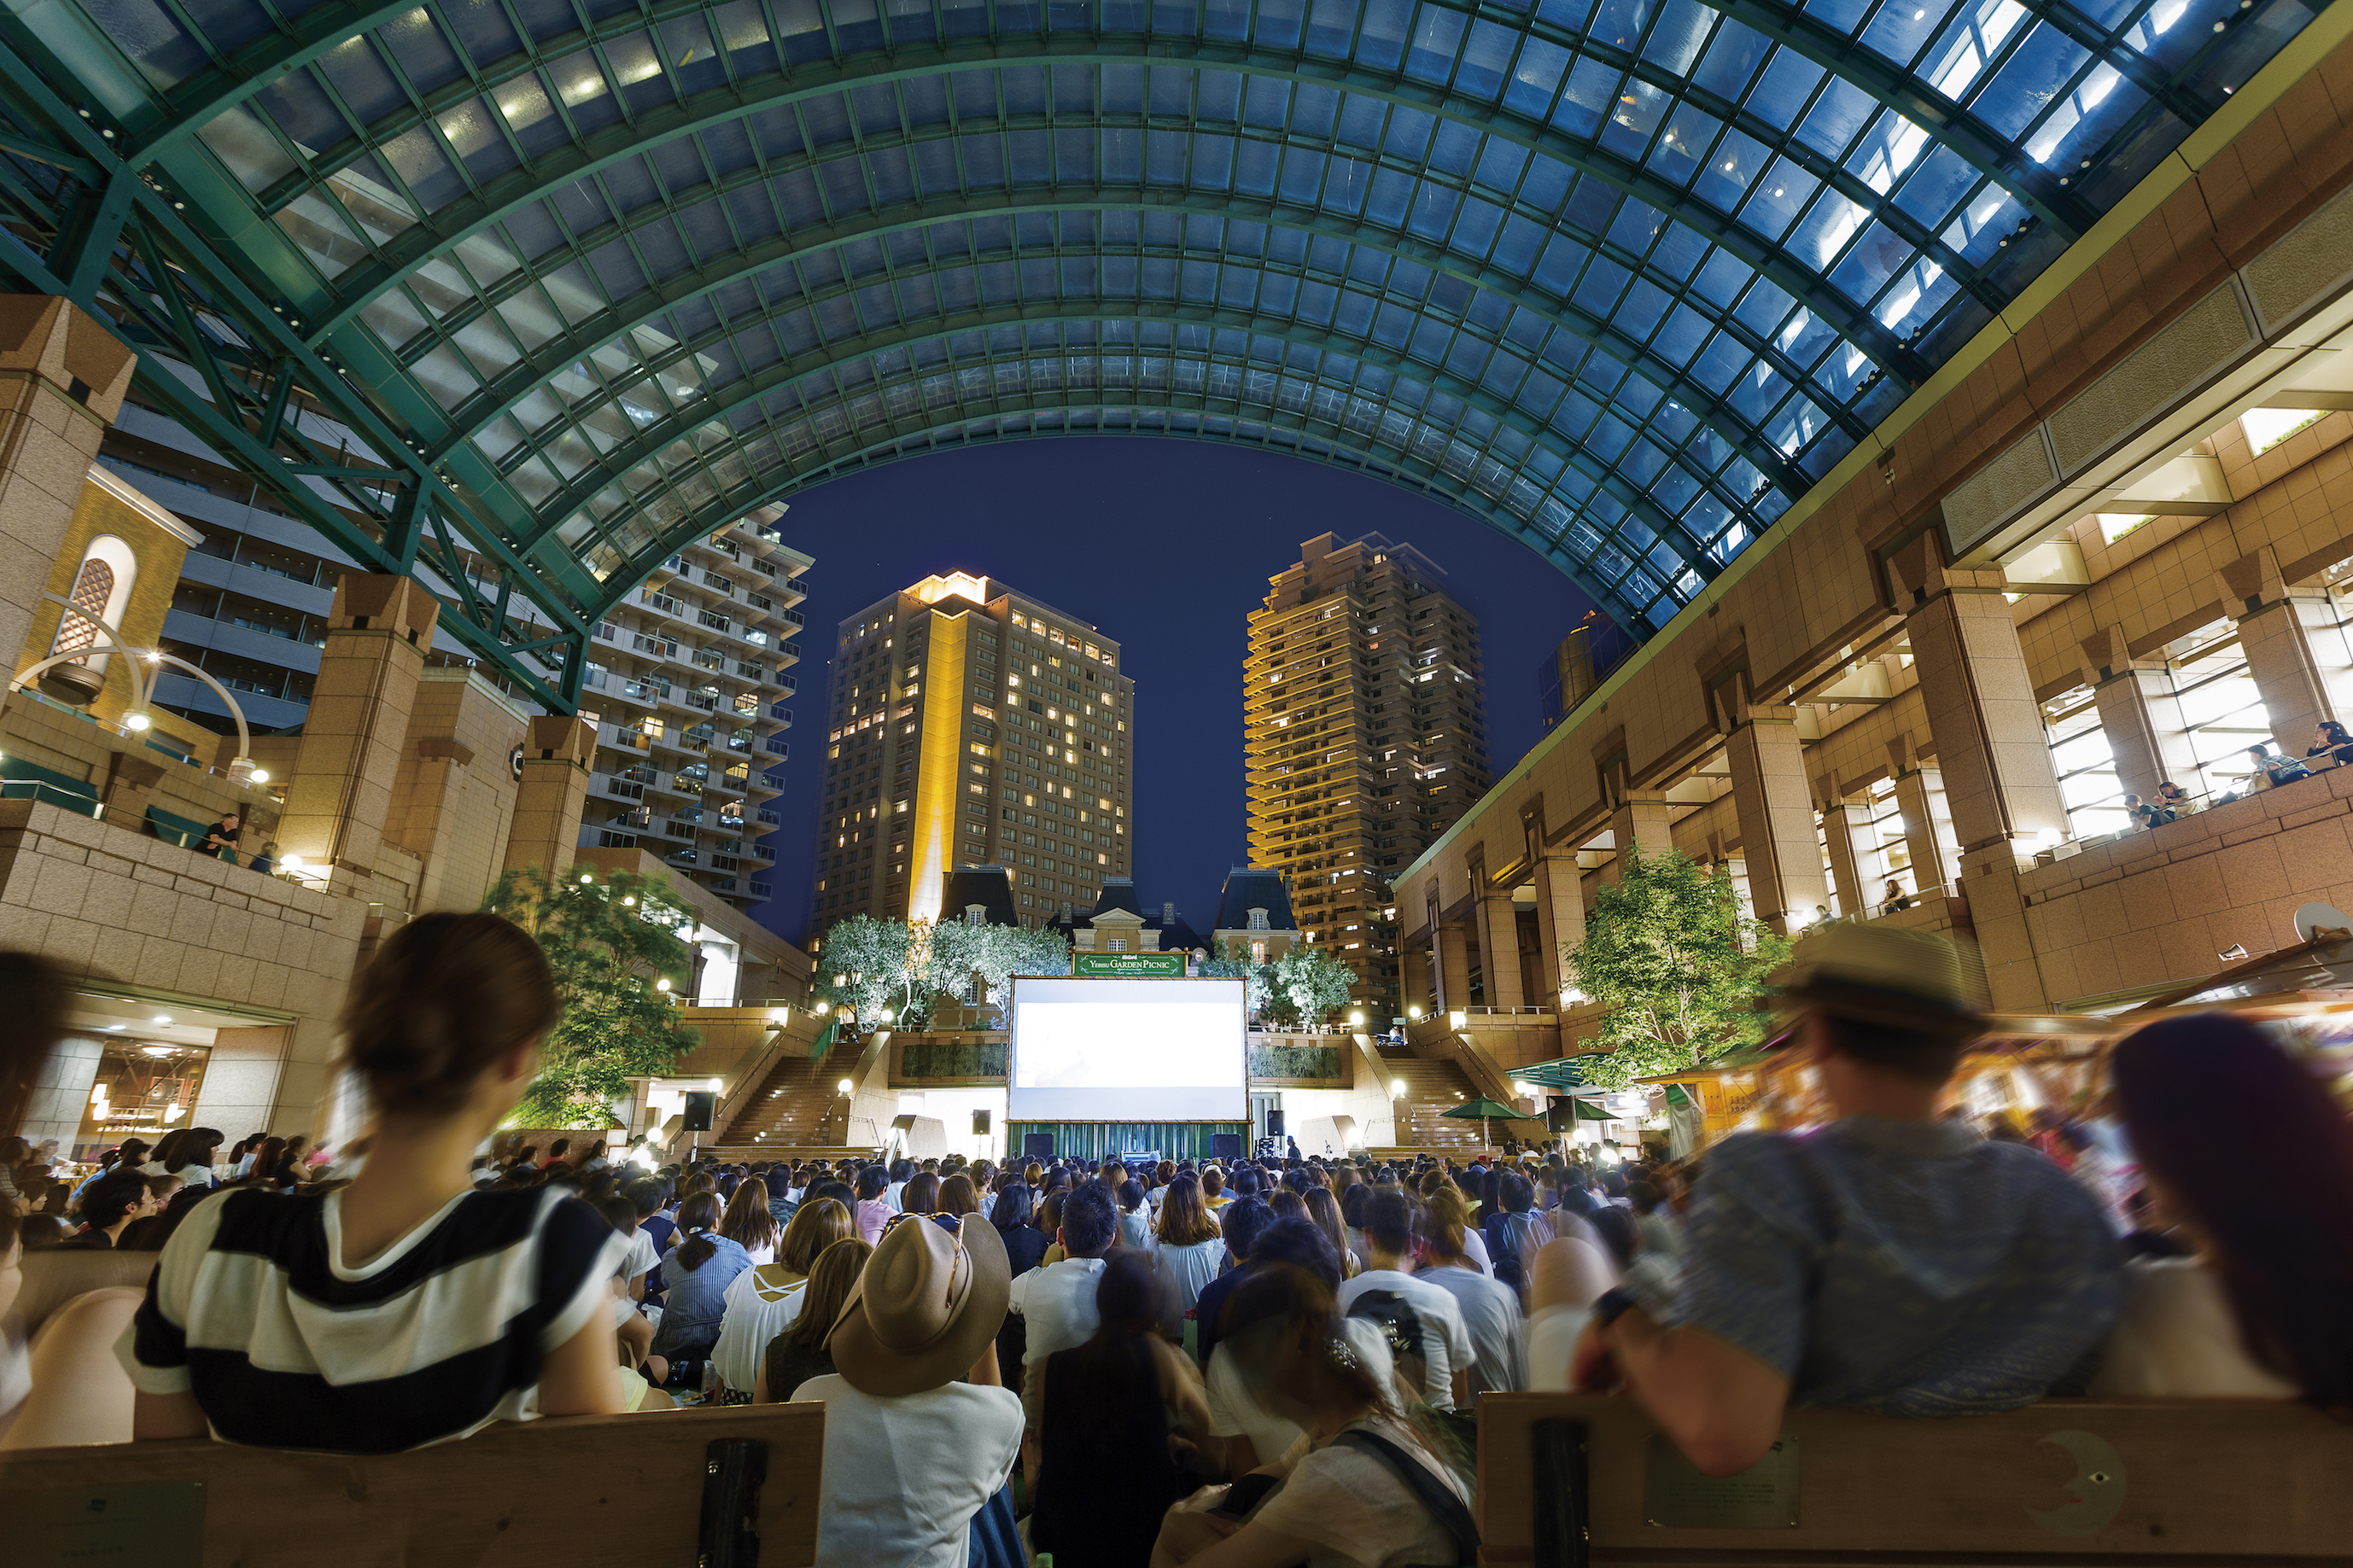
{"type": "Point", "coordinates": [1264, 1362]}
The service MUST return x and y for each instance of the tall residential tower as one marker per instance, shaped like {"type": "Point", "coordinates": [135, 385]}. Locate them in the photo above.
{"type": "Point", "coordinates": [971, 725]}
{"type": "Point", "coordinates": [1364, 722]}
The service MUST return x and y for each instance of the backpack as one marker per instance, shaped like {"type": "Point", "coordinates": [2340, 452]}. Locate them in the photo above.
{"type": "Point", "coordinates": [1400, 1327]}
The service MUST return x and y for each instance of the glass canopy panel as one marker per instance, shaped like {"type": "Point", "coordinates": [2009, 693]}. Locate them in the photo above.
{"type": "Point", "coordinates": [1627, 275]}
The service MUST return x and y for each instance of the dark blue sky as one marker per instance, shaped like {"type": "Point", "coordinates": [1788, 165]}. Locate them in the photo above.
{"type": "Point", "coordinates": [1166, 546]}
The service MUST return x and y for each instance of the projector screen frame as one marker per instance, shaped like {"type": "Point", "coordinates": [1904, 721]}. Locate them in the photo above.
{"type": "Point", "coordinates": [1128, 983]}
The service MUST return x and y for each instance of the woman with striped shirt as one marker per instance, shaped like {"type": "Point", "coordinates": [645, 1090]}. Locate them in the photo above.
{"type": "Point", "coordinates": [407, 1307]}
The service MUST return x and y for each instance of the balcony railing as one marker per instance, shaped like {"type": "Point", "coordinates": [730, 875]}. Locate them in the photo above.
{"type": "Point", "coordinates": [759, 889]}
{"type": "Point", "coordinates": [781, 711]}
{"type": "Point", "coordinates": [778, 745]}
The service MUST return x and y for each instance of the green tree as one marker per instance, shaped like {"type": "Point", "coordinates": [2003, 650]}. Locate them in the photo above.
{"type": "Point", "coordinates": [1305, 984]}
{"type": "Point", "coordinates": [1232, 960]}
{"type": "Point", "coordinates": [621, 967]}
{"type": "Point", "coordinates": [1667, 953]}
{"type": "Point", "coordinates": [870, 966]}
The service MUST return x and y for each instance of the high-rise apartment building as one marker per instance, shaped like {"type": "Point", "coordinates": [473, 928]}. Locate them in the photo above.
{"type": "Point", "coordinates": [1364, 722]}
{"type": "Point", "coordinates": [971, 725]}
{"type": "Point", "coordinates": [693, 698]}
{"type": "Point", "coordinates": [690, 681]}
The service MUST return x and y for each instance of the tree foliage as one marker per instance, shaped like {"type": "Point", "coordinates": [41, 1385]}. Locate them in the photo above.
{"type": "Point", "coordinates": [611, 943]}
{"type": "Point", "coordinates": [1667, 953]}
{"type": "Point", "coordinates": [876, 966]}
{"type": "Point", "coordinates": [1300, 987]}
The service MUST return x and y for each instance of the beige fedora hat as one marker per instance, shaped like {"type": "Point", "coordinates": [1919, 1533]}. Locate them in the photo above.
{"type": "Point", "coordinates": [925, 1305]}
{"type": "Point", "coordinates": [1877, 974]}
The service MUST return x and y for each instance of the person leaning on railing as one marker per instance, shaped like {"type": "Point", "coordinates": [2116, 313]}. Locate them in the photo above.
{"type": "Point", "coordinates": [1887, 1262]}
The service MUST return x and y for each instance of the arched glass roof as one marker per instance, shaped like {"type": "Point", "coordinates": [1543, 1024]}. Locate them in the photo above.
{"type": "Point", "coordinates": [1621, 277]}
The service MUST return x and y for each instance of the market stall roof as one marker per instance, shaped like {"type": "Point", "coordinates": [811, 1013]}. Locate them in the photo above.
{"type": "Point", "coordinates": [1561, 1073]}
{"type": "Point", "coordinates": [2315, 972]}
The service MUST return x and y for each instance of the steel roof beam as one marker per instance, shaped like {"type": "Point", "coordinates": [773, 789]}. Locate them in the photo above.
{"type": "Point", "coordinates": [1400, 470]}
{"type": "Point", "coordinates": [1283, 327]}
{"type": "Point", "coordinates": [501, 197]}
{"type": "Point", "coordinates": [477, 414]}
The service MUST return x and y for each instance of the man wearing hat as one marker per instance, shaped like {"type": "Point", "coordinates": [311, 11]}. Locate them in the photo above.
{"type": "Point", "coordinates": [911, 1453]}
{"type": "Point", "coordinates": [1889, 1261]}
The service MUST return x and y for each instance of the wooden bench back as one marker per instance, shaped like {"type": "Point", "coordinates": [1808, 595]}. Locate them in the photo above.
{"type": "Point", "coordinates": [585, 1491]}
{"type": "Point", "coordinates": [2222, 1480]}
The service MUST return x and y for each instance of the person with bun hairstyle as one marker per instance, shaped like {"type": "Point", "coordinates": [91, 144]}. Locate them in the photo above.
{"type": "Point", "coordinates": [407, 1307]}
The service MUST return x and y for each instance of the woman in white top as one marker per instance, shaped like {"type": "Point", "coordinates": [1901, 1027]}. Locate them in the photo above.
{"type": "Point", "coordinates": [763, 1301]}
{"type": "Point", "coordinates": [1192, 1250]}
{"type": "Point", "coordinates": [1355, 1481]}
{"type": "Point", "coordinates": [2259, 1312]}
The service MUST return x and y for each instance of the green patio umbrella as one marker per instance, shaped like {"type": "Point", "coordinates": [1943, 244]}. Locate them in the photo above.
{"type": "Point", "coordinates": [1482, 1108]}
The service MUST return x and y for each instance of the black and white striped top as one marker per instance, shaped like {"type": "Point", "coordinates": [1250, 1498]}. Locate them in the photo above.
{"type": "Point", "coordinates": [443, 1332]}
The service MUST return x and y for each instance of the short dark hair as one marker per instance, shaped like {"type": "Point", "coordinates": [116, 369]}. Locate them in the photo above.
{"type": "Point", "coordinates": [1300, 1242]}
{"type": "Point", "coordinates": [1244, 1219]}
{"type": "Point", "coordinates": [1922, 1056]}
{"type": "Point", "coordinates": [1389, 1222]}
{"type": "Point", "coordinates": [1090, 1222]}
{"type": "Point", "coordinates": [1130, 1195]}
{"type": "Point", "coordinates": [111, 1197]}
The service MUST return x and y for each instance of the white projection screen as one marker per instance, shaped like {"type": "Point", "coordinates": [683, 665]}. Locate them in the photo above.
{"type": "Point", "coordinates": [1128, 1050]}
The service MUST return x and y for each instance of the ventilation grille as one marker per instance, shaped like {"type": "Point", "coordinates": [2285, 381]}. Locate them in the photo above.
{"type": "Point", "coordinates": [2311, 261]}
{"type": "Point", "coordinates": [2153, 377]}
{"type": "Point", "coordinates": [1996, 493]}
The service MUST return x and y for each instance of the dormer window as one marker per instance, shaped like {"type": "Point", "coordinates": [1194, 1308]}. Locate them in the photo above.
{"type": "Point", "coordinates": [1116, 944]}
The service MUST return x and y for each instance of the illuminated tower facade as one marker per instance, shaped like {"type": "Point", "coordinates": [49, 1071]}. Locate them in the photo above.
{"type": "Point", "coordinates": [970, 725]}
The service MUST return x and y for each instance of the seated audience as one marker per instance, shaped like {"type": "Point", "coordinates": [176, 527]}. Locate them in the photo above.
{"type": "Point", "coordinates": [1106, 1470]}
{"type": "Point", "coordinates": [767, 1298]}
{"type": "Point", "coordinates": [1490, 1308]}
{"type": "Point", "coordinates": [1245, 1219]}
{"type": "Point", "coordinates": [364, 1318]}
{"type": "Point", "coordinates": [1324, 1210]}
{"type": "Point", "coordinates": [2331, 747]}
{"type": "Point", "coordinates": [1135, 1221]}
{"type": "Point", "coordinates": [1191, 1250]}
{"type": "Point", "coordinates": [1428, 1344]}
{"type": "Point", "coordinates": [1889, 1261]}
{"type": "Point", "coordinates": [694, 1280]}
{"type": "Point", "coordinates": [2257, 1309]}
{"type": "Point", "coordinates": [1057, 1302]}
{"type": "Point", "coordinates": [108, 1209]}
{"type": "Point", "coordinates": [872, 1211]}
{"type": "Point", "coordinates": [911, 1453]}
{"type": "Point", "coordinates": [799, 1353]}
{"type": "Point", "coordinates": [1366, 1483]}
{"type": "Point", "coordinates": [1515, 1230]}
{"type": "Point", "coordinates": [748, 1222]}
{"type": "Point", "coordinates": [2270, 772]}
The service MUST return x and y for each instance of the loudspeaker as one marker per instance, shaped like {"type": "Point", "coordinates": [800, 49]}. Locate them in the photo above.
{"type": "Point", "coordinates": [1038, 1145]}
{"type": "Point", "coordinates": [1225, 1145]}
{"type": "Point", "coordinates": [980, 1123]}
{"type": "Point", "coordinates": [699, 1104]}
{"type": "Point", "coordinates": [1274, 1121]}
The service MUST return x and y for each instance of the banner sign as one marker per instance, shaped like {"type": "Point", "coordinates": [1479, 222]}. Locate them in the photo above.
{"type": "Point", "coordinates": [1128, 965]}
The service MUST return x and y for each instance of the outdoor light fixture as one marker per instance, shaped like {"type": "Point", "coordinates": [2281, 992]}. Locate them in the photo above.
{"type": "Point", "coordinates": [1522, 1090]}
{"type": "Point", "coordinates": [290, 862]}
{"type": "Point", "coordinates": [1458, 1017]}
{"type": "Point", "coordinates": [2232, 953]}
{"type": "Point", "coordinates": [629, 903]}
{"type": "Point", "coordinates": [162, 1017]}
{"type": "Point", "coordinates": [1356, 1015]}
{"type": "Point", "coordinates": [1397, 1088]}
{"type": "Point", "coordinates": [824, 1007]}
{"type": "Point", "coordinates": [662, 984]}
{"type": "Point", "coordinates": [1414, 1011]}
{"type": "Point", "coordinates": [846, 1086]}
{"type": "Point", "coordinates": [586, 878]}
{"type": "Point", "coordinates": [136, 721]}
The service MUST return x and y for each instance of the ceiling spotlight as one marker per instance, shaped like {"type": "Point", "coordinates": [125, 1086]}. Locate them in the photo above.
{"type": "Point", "coordinates": [136, 721]}
{"type": "Point", "coordinates": [162, 1017]}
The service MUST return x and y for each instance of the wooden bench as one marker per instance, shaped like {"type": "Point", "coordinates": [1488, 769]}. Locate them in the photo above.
{"type": "Point", "coordinates": [700, 1488]}
{"type": "Point", "coordinates": [1566, 1481]}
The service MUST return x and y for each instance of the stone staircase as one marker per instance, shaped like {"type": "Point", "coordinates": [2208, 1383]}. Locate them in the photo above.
{"type": "Point", "coordinates": [1431, 1089]}
{"type": "Point", "coordinates": [796, 1105]}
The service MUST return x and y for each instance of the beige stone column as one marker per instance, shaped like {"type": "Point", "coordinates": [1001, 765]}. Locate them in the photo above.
{"type": "Point", "coordinates": [1929, 870]}
{"type": "Point", "coordinates": [62, 379]}
{"type": "Point", "coordinates": [339, 801]}
{"type": "Point", "coordinates": [554, 791]}
{"type": "Point", "coordinates": [2278, 629]}
{"type": "Point", "coordinates": [1847, 833]}
{"type": "Point", "coordinates": [1499, 948]}
{"type": "Point", "coordinates": [2140, 715]}
{"type": "Point", "coordinates": [1560, 917]}
{"type": "Point", "coordinates": [1416, 965]}
{"type": "Point", "coordinates": [1776, 810]}
{"type": "Point", "coordinates": [1453, 967]}
{"type": "Point", "coordinates": [1989, 740]}
{"type": "Point", "coordinates": [1639, 825]}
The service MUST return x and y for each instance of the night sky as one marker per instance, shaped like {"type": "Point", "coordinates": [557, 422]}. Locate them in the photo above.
{"type": "Point", "coordinates": [1166, 546]}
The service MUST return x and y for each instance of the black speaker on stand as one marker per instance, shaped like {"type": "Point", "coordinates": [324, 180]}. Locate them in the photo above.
{"type": "Point", "coordinates": [1225, 1146]}
{"type": "Point", "coordinates": [696, 1115]}
{"type": "Point", "coordinates": [980, 1123]}
{"type": "Point", "coordinates": [1038, 1146]}
{"type": "Point", "coordinates": [1274, 1122]}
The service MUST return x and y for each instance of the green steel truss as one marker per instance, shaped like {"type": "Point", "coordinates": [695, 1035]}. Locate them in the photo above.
{"type": "Point", "coordinates": [528, 293]}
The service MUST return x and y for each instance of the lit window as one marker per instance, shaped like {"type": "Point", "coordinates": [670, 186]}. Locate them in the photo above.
{"type": "Point", "coordinates": [2114, 525]}
{"type": "Point", "coordinates": [2267, 427]}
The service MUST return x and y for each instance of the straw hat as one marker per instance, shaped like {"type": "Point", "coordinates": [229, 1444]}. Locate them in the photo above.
{"type": "Point", "coordinates": [924, 1307]}
{"type": "Point", "coordinates": [1877, 974]}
